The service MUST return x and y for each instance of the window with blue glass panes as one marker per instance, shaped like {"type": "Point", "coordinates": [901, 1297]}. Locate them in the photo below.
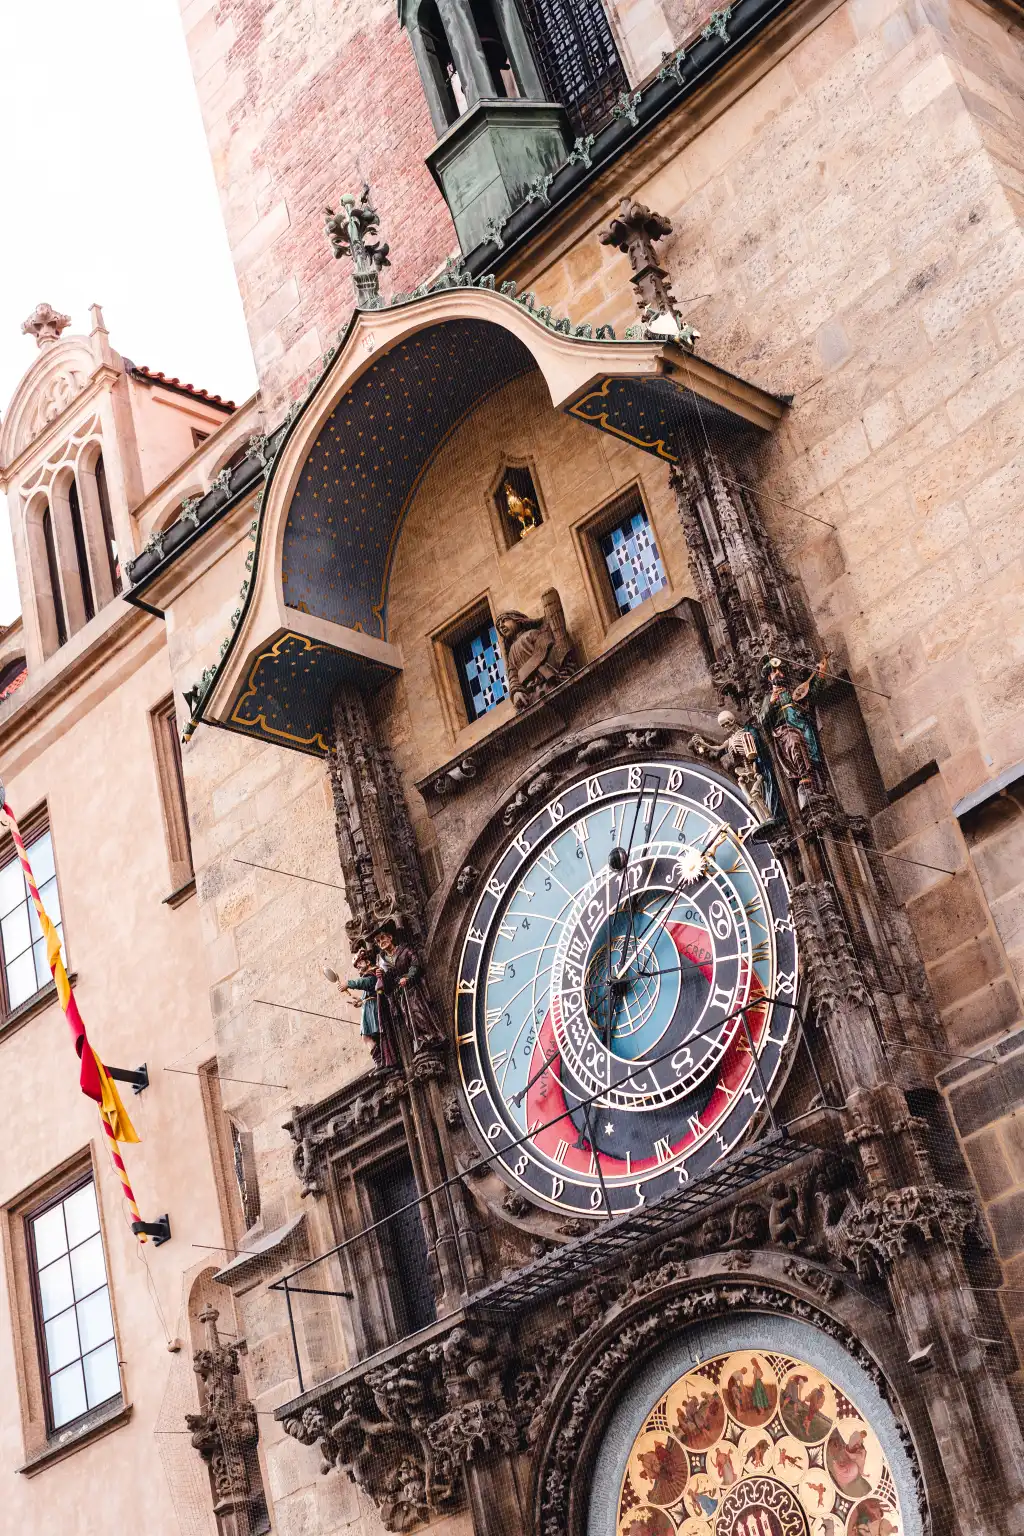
{"type": "Point", "coordinates": [632, 561]}
{"type": "Point", "coordinates": [481, 669]}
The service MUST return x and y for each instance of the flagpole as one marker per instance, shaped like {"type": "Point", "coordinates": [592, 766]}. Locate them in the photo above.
{"type": "Point", "coordinates": [93, 1078]}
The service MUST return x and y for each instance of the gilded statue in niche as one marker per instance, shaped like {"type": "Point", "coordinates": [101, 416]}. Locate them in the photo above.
{"type": "Point", "coordinates": [757, 1444]}
{"type": "Point", "coordinates": [518, 503]}
{"type": "Point", "coordinates": [538, 652]}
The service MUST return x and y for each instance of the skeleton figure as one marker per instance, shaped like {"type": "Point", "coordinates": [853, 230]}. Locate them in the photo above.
{"type": "Point", "coordinates": [743, 755]}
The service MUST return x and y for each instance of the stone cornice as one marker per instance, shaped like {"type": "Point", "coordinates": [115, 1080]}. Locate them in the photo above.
{"type": "Point", "coordinates": [40, 706]}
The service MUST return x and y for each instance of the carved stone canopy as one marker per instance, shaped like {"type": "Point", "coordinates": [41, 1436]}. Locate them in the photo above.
{"type": "Point", "coordinates": [45, 323]}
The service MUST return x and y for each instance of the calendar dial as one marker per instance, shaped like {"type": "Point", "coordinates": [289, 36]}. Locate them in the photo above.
{"type": "Point", "coordinates": [626, 988]}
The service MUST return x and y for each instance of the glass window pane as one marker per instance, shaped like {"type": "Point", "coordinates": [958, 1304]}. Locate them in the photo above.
{"type": "Point", "coordinates": [481, 671]}
{"type": "Point", "coordinates": [87, 1266]}
{"type": "Point", "coordinates": [67, 1393]}
{"type": "Point", "coordinates": [81, 1215]}
{"type": "Point", "coordinates": [101, 1374]}
{"type": "Point", "coordinates": [21, 979]}
{"type": "Point", "coordinates": [55, 1291]}
{"type": "Point", "coordinates": [40, 856]}
{"type": "Point", "coordinates": [61, 1339]}
{"type": "Point", "coordinates": [43, 973]}
{"type": "Point", "coordinates": [51, 902]}
{"type": "Point", "coordinates": [12, 887]}
{"type": "Point", "coordinates": [95, 1324]}
{"type": "Point", "coordinates": [633, 562]}
{"type": "Point", "coordinates": [48, 1231]}
{"type": "Point", "coordinates": [15, 932]}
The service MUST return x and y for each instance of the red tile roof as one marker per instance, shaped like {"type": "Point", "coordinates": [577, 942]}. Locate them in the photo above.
{"type": "Point", "coordinates": [139, 371]}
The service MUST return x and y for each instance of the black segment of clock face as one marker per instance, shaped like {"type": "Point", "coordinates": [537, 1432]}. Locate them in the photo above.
{"type": "Point", "coordinates": [624, 987]}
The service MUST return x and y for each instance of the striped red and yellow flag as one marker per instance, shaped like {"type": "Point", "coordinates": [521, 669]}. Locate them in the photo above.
{"type": "Point", "coordinates": [93, 1077]}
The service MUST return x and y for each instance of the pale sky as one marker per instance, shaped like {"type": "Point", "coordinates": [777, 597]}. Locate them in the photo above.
{"type": "Point", "coordinates": [110, 199]}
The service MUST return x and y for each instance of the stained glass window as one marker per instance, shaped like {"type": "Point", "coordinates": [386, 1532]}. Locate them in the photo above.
{"type": "Point", "coordinates": [76, 1328]}
{"type": "Point", "coordinates": [634, 565]}
{"type": "Point", "coordinates": [481, 669]}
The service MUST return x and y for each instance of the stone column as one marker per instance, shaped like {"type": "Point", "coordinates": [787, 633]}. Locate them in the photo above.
{"type": "Point", "coordinates": [467, 50]}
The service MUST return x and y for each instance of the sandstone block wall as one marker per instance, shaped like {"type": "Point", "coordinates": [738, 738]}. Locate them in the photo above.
{"type": "Point", "coordinates": [848, 229]}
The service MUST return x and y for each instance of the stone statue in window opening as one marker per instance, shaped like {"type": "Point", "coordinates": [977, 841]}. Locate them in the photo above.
{"type": "Point", "coordinates": [743, 754]}
{"type": "Point", "coordinates": [786, 712]}
{"type": "Point", "coordinates": [366, 986]}
{"type": "Point", "coordinates": [522, 510]}
{"type": "Point", "coordinates": [538, 652]}
{"type": "Point", "coordinates": [402, 995]}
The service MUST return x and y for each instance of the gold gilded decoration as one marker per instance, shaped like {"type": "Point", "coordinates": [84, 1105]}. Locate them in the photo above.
{"type": "Point", "coordinates": [752, 1444]}
{"type": "Point", "coordinates": [627, 413]}
{"type": "Point", "coordinates": [521, 509]}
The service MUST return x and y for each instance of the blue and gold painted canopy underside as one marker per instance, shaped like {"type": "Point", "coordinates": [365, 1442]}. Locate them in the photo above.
{"type": "Point", "coordinates": [289, 688]}
{"type": "Point", "coordinates": [368, 458]}
{"type": "Point", "coordinates": [360, 476]}
{"type": "Point", "coordinates": [363, 470]}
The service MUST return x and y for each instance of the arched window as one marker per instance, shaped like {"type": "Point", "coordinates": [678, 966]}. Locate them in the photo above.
{"type": "Point", "coordinates": [81, 551]}
{"type": "Point", "coordinates": [438, 64]}
{"type": "Point", "coordinates": [488, 29]}
{"type": "Point", "coordinates": [109, 540]}
{"type": "Point", "coordinates": [54, 572]}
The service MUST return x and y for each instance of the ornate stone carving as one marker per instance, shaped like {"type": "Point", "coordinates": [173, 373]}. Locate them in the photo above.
{"type": "Point", "coordinates": [404, 1431]}
{"type": "Point", "coordinates": [455, 777]}
{"type": "Point", "coordinates": [833, 975]}
{"type": "Point", "coordinates": [316, 1134]}
{"type": "Point", "coordinates": [376, 842]}
{"type": "Point", "coordinates": [634, 231]}
{"type": "Point", "coordinates": [827, 1286]}
{"type": "Point", "coordinates": [467, 878]}
{"type": "Point", "coordinates": [226, 1433]}
{"type": "Point", "coordinates": [744, 592]}
{"type": "Point", "coordinates": [869, 1235]}
{"type": "Point", "coordinates": [538, 652]}
{"type": "Point", "coordinates": [522, 797]}
{"type": "Point", "coordinates": [45, 323]}
{"type": "Point", "coordinates": [347, 231]}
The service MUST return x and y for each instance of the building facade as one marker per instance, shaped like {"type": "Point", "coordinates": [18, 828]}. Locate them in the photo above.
{"type": "Point", "coordinates": [597, 656]}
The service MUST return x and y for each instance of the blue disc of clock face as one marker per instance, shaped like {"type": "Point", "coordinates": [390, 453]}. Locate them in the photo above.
{"type": "Point", "coordinates": [626, 987]}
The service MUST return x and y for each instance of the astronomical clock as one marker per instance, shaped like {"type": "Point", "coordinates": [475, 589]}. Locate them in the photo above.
{"type": "Point", "coordinates": [626, 987]}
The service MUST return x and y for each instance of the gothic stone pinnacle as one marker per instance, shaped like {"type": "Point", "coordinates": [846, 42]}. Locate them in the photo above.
{"type": "Point", "coordinates": [45, 323]}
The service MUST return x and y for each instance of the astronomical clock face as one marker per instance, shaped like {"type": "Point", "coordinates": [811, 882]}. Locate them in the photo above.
{"type": "Point", "coordinates": [613, 1014]}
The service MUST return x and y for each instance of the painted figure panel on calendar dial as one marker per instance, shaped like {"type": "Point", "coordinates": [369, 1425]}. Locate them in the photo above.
{"type": "Point", "coordinates": [757, 1478]}
{"type": "Point", "coordinates": [626, 987]}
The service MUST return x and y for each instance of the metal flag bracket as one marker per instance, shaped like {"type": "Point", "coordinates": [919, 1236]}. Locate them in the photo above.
{"type": "Point", "coordinates": [159, 1230]}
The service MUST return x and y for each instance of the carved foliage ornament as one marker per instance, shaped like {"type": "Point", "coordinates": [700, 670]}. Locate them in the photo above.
{"type": "Point", "coordinates": [45, 323]}
{"type": "Point", "coordinates": [226, 1432]}
{"type": "Point", "coordinates": [403, 1433]}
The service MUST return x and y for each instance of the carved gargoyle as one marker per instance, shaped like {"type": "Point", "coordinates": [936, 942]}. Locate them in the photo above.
{"type": "Point", "coordinates": [538, 652]}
